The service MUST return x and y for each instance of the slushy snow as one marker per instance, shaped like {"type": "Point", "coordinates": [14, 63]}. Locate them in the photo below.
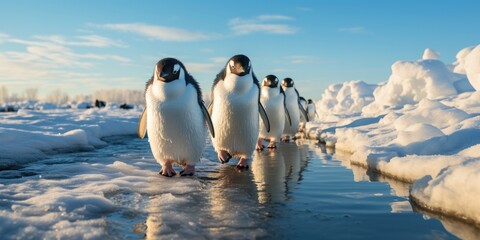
{"type": "Point", "coordinates": [30, 135]}
{"type": "Point", "coordinates": [421, 126]}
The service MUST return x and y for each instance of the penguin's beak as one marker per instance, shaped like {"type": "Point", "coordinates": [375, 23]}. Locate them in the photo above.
{"type": "Point", "coordinates": [164, 77]}
{"type": "Point", "coordinates": [239, 70]}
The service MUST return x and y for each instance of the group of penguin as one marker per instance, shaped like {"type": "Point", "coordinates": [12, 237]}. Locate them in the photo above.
{"type": "Point", "coordinates": [175, 115]}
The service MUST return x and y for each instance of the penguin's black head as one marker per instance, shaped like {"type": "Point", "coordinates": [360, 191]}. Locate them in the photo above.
{"type": "Point", "coordinates": [239, 65]}
{"type": "Point", "coordinates": [310, 101]}
{"type": "Point", "coordinates": [287, 82]}
{"type": "Point", "coordinates": [270, 81]}
{"type": "Point", "coordinates": [168, 69]}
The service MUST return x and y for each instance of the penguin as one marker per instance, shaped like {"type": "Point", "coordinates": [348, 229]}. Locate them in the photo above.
{"type": "Point", "coordinates": [272, 98]}
{"type": "Point", "coordinates": [174, 118]}
{"type": "Point", "coordinates": [294, 108]}
{"type": "Point", "coordinates": [311, 110]}
{"type": "Point", "coordinates": [235, 110]}
{"type": "Point", "coordinates": [303, 121]}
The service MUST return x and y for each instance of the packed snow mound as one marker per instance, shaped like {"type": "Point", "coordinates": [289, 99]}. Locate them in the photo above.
{"type": "Point", "coordinates": [459, 64]}
{"type": "Point", "coordinates": [433, 113]}
{"type": "Point", "coordinates": [472, 67]}
{"type": "Point", "coordinates": [430, 54]}
{"type": "Point", "coordinates": [412, 81]}
{"type": "Point", "coordinates": [418, 132]}
{"type": "Point", "coordinates": [346, 98]}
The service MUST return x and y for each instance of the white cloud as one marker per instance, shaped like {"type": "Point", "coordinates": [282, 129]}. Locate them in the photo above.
{"type": "Point", "coordinates": [353, 30]}
{"type": "Point", "coordinates": [88, 41]}
{"type": "Point", "coordinates": [158, 32]}
{"type": "Point", "coordinates": [98, 41]}
{"type": "Point", "coordinates": [261, 24]}
{"type": "Point", "coordinates": [49, 58]}
{"type": "Point", "coordinates": [300, 59]}
{"type": "Point", "coordinates": [214, 65]}
{"type": "Point", "coordinates": [200, 67]}
{"type": "Point", "coordinates": [274, 17]}
{"type": "Point", "coordinates": [219, 60]}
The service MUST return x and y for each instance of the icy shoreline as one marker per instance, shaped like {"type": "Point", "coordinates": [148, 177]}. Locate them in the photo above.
{"type": "Point", "coordinates": [31, 135]}
{"type": "Point", "coordinates": [422, 126]}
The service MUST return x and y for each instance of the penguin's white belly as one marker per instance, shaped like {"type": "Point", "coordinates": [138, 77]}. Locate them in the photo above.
{"type": "Point", "coordinates": [311, 112]}
{"type": "Point", "coordinates": [276, 114]}
{"type": "Point", "coordinates": [292, 107]}
{"type": "Point", "coordinates": [235, 119]}
{"type": "Point", "coordinates": [176, 130]}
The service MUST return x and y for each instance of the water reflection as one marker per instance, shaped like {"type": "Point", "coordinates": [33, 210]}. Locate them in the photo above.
{"type": "Point", "coordinates": [401, 189]}
{"type": "Point", "coordinates": [278, 171]}
{"type": "Point", "coordinates": [269, 173]}
{"type": "Point", "coordinates": [233, 205]}
{"type": "Point", "coordinates": [458, 228]}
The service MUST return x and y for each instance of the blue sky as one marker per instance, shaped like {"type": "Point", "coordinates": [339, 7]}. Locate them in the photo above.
{"type": "Point", "coordinates": [81, 46]}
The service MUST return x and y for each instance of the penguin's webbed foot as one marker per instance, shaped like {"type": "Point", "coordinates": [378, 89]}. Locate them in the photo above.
{"type": "Point", "coordinates": [167, 170]}
{"type": "Point", "coordinates": [224, 156]}
{"type": "Point", "coordinates": [189, 170]}
{"type": "Point", "coordinates": [272, 145]}
{"type": "Point", "coordinates": [259, 146]}
{"type": "Point", "coordinates": [242, 164]}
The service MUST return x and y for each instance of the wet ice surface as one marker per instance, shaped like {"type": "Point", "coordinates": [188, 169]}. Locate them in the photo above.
{"type": "Point", "coordinates": [301, 190]}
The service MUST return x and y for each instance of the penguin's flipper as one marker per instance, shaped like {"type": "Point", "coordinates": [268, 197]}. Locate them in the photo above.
{"type": "Point", "coordinates": [303, 111]}
{"type": "Point", "coordinates": [287, 114]}
{"type": "Point", "coordinates": [206, 115]}
{"type": "Point", "coordinates": [264, 116]}
{"type": "Point", "coordinates": [210, 107]}
{"type": "Point", "coordinates": [142, 124]}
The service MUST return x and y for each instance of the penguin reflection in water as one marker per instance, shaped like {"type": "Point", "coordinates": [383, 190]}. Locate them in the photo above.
{"type": "Point", "coordinates": [174, 118]}
{"type": "Point", "coordinates": [235, 109]}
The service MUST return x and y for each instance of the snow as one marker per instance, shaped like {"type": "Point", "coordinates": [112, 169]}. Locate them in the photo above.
{"type": "Point", "coordinates": [472, 67]}
{"type": "Point", "coordinates": [348, 97]}
{"type": "Point", "coordinates": [30, 135]}
{"type": "Point", "coordinates": [412, 81]}
{"type": "Point", "coordinates": [421, 126]}
{"type": "Point", "coordinates": [459, 64]}
{"type": "Point", "coordinates": [430, 54]}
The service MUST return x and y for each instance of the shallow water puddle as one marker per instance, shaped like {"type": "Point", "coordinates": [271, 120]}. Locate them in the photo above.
{"type": "Point", "coordinates": [299, 190]}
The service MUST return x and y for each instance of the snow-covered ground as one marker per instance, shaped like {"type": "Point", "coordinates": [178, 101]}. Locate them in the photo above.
{"type": "Point", "coordinates": [421, 126]}
{"type": "Point", "coordinates": [30, 135]}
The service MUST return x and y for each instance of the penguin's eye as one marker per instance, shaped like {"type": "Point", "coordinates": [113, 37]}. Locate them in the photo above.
{"type": "Point", "coordinates": [176, 68]}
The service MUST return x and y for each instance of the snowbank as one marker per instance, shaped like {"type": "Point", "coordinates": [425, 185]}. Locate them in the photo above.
{"type": "Point", "coordinates": [422, 126]}
{"type": "Point", "coordinates": [30, 135]}
{"type": "Point", "coordinates": [472, 67]}
{"type": "Point", "coordinates": [454, 191]}
{"type": "Point", "coordinates": [412, 81]}
{"type": "Point", "coordinates": [459, 64]}
{"type": "Point", "coordinates": [346, 98]}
